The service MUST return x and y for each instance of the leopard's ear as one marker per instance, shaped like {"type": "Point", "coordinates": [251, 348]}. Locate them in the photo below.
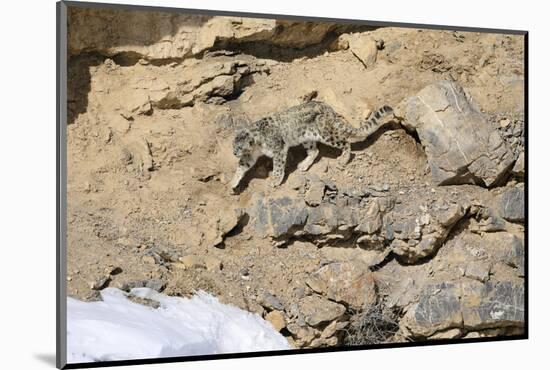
{"type": "Point", "coordinates": [241, 121]}
{"type": "Point", "coordinates": [239, 131]}
{"type": "Point", "coordinates": [233, 121]}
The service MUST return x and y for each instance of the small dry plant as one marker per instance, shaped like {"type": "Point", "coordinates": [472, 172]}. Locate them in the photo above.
{"type": "Point", "coordinates": [373, 325]}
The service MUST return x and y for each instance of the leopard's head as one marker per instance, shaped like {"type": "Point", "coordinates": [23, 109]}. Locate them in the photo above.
{"type": "Point", "coordinates": [243, 143]}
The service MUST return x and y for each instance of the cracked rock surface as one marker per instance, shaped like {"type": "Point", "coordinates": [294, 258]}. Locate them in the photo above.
{"type": "Point", "coordinates": [461, 145]}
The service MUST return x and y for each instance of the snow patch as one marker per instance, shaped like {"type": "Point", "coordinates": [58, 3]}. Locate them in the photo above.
{"type": "Point", "coordinates": [119, 329]}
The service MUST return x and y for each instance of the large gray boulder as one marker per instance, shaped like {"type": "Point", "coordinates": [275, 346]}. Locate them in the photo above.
{"type": "Point", "coordinates": [409, 229]}
{"type": "Point", "coordinates": [493, 304]}
{"type": "Point", "coordinates": [512, 205]}
{"type": "Point", "coordinates": [471, 305]}
{"type": "Point", "coordinates": [438, 309]}
{"type": "Point", "coordinates": [420, 233]}
{"type": "Point", "coordinates": [461, 145]}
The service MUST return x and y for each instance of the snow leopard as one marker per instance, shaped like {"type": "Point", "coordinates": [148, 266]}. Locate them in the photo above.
{"type": "Point", "coordinates": [306, 124]}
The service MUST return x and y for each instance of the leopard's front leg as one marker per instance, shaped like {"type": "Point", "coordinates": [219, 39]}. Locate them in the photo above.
{"type": "Point", "coordinates": [245, 163]}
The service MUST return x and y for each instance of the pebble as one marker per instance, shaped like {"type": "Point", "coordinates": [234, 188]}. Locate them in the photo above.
{"type": "Point", "coordinates": [154, 284]}
{"type": "Point", "coordinates": [113, 270]}
{"type": "Point", "coordinates": [244, 273]}
{"type": "Point", "coordinates": [212, 263]}
{"type": "Point", "coordinates": [504, 122]}
{"type": "Point", "coordinates": [150, 260]}
{"type": "Point", "coordinates": [269, 301]}
{"type": "Point", "coordinates": [300, 292]}
{"type": "Point", "coordinates": [99, 283]}
{"type": "Point", "coordinates": [179, 266]}
{"type": "Point", "coordinates": [384, 187]}
{"type": "Point", "coordinates": [425, 219]}
{"type": "Point", "coordinates": [276, 319]}
{"type": "Point", "coordinates": [144, 301]}
{"type": "Point", "coordinates": [191, 261]}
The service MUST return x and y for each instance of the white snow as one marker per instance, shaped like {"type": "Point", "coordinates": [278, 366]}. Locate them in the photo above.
{"type": "Point", "coordinates": [119, 329]}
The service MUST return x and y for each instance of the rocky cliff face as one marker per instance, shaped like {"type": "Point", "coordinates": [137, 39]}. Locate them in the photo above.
{"type": "Point", "coordinates": [420, 237]}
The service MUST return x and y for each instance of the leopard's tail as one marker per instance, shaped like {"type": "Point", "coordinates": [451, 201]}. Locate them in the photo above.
{"type": "Point", "coordinates": [373, 123]}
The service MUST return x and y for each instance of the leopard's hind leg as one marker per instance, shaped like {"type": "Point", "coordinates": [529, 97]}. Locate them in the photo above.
{"type": "Point", "coordinates": [279, 164]}
{"type": "Point", "coordinates": [344, 158]}
{"type": "Point", "coordinates": [342, 144]}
